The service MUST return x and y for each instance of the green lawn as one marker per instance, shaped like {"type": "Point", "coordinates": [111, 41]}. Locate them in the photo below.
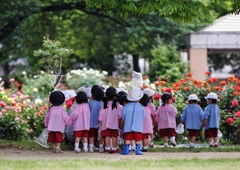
{"type": "Point", "coordinates": [169, 164]}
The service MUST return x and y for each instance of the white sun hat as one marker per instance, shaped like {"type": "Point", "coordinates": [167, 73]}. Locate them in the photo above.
{"type": "Point", "coordinates": [135, 94]}
{"type": "Point", "coordinates": [193, 97]}
{"type": "Point", "coordinates": [88, 91]}
{"type": "Point", "coordinates": [149, 92]}
{"type": "Point", "coordinates": [212, 96]}
{"type": "Point", "coordinates": [80, 89]}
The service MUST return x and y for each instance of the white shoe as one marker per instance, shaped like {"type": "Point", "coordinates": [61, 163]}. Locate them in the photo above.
{"type": "Point", "coordinates": [85, 150]}
{"type": "Point", "coordinates": [101, 149]}
{"type": "Point", "coordinates": [91, 150]}
{"type": "Point", "coordinates": [77, 150]}
{"type": "Point", "coordinates": [173, 143]}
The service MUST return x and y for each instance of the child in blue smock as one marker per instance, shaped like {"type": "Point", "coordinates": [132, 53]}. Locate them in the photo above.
{"type": "Point", "coordinates": [211, 119]}
{"type": "Point", "coordinates": [192, 116]}
{"type": "Point", "coordinates": [95, 105]}
{"type": "Point", "coordinates": [133, 115]}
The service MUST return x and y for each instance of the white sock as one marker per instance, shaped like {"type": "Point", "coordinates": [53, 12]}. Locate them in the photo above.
{"type": "Point", "coordinates": [85, 146]}
{"type": "Point", "coordinates": [100, 145]}
{"type": "Point", "coordinates": [91, 145]}
{"type": "Point", "coordinates": [130, 147]}
{"type": "Point", "coordinates": [145, 147]}
{"type": "Point", "coordinates": [210, 143]}
{"type": "Point", "coordinates": [76, 145]}
{"type": "Point", "coordinates": [165, 144]}
{"type": "Point", "coordinates": [172, 139]}
{"type": "Point", "coordinates": [114, 149]}
{"type": "Point", "coordinates": [107, 148]}
{"type": "Point", "coordinates": [215, 143]}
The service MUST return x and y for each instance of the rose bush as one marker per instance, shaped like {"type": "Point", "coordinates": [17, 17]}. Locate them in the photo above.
{"type": "Point", "coordinates": [21, 116]}
{"type": "Point", "coordinates": [228, 92]}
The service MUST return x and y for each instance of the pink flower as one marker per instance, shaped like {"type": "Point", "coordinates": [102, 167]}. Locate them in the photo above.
{"type": "Point", "coordinates": [30, 130]}
{"type": "Point", "coordinates": [26, 96]}
{"type": "Point", "coordinates": [28, 117]}
{"type": "Point", "coordinates": [237, 114]}
{"type": "Point", "coordinates": [235, 103]}
{"type": "Point", "coordinates": [11, 79]}
{"type": "Point", "coordinates": [17, 119]}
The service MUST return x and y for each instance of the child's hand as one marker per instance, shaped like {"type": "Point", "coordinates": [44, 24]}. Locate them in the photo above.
{"type": "Point", "coordinates": [100, 124]}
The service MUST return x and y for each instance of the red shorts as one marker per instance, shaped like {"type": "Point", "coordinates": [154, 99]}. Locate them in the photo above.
{"type": "Point", "coordinates": [137, 136]}
{"type": "Point", "coordinates": [167, 132]}
{"type": "Point", "coordinates": [110, 133]}
{"type": "Point", "coordinates": [192, 132]}
{"type": "Point", "coordinates": [55, 137]}
{"type": "Point", "coordinates": [80, 133]}
{"type": "Point", "coordinates": [93, 132]}
{"type": "Point", "coordinates": [145, 135]}
{"type": "Point", "coordinates": [211, 133]}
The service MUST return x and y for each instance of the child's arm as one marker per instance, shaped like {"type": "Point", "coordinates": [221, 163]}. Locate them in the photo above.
{"type": "Point", "coordinates": [121, 123]}
{"type": "Point", "coordinates": [204, 122]}
{"type": "Point", "coordinates": [46, 119]}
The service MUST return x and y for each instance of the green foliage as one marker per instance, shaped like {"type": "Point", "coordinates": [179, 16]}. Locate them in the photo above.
{"type": "Point", "coordinates": [38, 85]}
{"type": "Point", "coordinates": [166, 62]}
{"type": "Point", "coordinates": [50, 57]}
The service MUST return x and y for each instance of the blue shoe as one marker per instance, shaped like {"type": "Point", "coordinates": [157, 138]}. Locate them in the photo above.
{"type": "Point", "coordinates": [138, 151]}
{"type": "Point", "coordinates": [125, 150]}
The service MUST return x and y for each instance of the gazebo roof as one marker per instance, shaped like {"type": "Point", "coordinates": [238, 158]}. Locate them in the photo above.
{"type": "Point", "coordinates": [227, 23]}
{"type": "Point", "coordinates": [224, 33]}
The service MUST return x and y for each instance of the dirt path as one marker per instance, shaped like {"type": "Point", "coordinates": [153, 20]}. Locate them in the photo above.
{"type": "Point", "coordinates": [18, 154]}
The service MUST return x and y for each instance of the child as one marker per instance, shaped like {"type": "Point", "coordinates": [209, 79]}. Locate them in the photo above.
{"type": "Point", "coordinates": [133, 115]}
{"type": "Point", "coordinates": [55, 120]}
{"type": "Point", "coordinates": [211, 119]}
{"type": "Point", "coordinates": [193, 116]}
{"type": "Point", "coordinates": [150, 94]}
{"type": "Point", "coordinates": [109, 117]}
{"type": "Point", "coordinates": [80, 117]}
{"type": "Point", "coordinates": [95, 105]}
{"type": "Point", "coordinates": [147, 123]}
{"type": "Point", "coordinates": [165, 116]}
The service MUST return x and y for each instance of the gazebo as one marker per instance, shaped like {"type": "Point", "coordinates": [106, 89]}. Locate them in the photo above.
{"type": "Point", "coordinates": [223, 35]}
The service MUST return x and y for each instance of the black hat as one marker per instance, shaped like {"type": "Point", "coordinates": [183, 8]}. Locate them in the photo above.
{"type": "Point", "coordinates": [81, 96]}
{"type": "Point", "coordinates": [111, 91]}
{"type": "Point", "coordinates": [144, 100]}
{"type": "Point", "coordinates": [97, 93]}
{"type": "Point", "coordinates": [165, 96]}
{"type": "Point", "coordinates": [57, 98]}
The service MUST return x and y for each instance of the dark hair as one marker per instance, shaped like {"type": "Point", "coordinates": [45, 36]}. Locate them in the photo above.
{"type": "Point", "coordinates": [192, 101]}
{"type": "Point", "coordinates": [123, 98]}
{"type": "Point", "coordinates": [165, 96]}
{"type": "Point", "coordinates": [214, 100]}
{"type": "Point", "coordinates": [108, 98]}
{"type": "Point", "coordinates": [144, 100]}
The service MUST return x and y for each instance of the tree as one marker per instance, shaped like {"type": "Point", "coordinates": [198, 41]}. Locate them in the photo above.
{"type": "Point", "coordinates": [166, 62]}
{"type": "Point", "coordinates": [23, 22]}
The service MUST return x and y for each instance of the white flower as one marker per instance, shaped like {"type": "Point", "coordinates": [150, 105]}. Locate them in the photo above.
{"type": "Point", "coordinates": [35, 89]}
{"type": "Point", "coordinates": [42, 72]}
{"type": "Point", "coordinates": [24, 72]}
{"type": "Point", "coordinates": [38, 102]}
{"type": "Point", "coordinates": [35, 76]}
{"type": "Point", "coordinates": [105, 73]}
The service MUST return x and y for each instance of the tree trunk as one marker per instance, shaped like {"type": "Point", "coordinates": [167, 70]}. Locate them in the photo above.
{"type": "Point", "coordinates": [135, 62]}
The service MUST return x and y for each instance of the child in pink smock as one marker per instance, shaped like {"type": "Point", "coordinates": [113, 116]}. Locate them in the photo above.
{"type": "Point", "coordinates": [147, 123]}
{"type": "Point", "coordinates": [109, 116]}
{"type": "Point", "coordinates": [150, 94]}
{"type": "Point", "coordinates": [55, 120]}
{"type": "Point", "coordinates": [166, 118]}
{"type": "Point", "coordinates": [80, 117]}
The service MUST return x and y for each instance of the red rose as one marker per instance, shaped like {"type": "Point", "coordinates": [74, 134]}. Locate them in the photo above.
{"type": "Point", "coordinates": [229, 120]}
{"type": "Point", "coordinates": [237, 114]}
{"type": "Point", "coordinates": [156, 96]}
{"type": "Point", "coordinates": [235, 103]}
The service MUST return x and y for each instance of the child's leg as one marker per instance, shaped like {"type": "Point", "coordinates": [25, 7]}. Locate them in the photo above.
{"type": "Point", "coordinates": [85, 144]}
{"type": "Point", "coordinates": [58, 149]}
{"type": "Point", "coordinates": [193, 139]}
{"type": "Point", "coordinates": [76, 148]}
{"type": "Point", "coordinates": [165, 141]}
{"type": "Point", "coordinates": [151, 140]}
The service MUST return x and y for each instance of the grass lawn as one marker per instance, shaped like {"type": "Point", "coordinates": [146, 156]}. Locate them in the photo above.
{"type": "Point", "coordinates": [169, 164]}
